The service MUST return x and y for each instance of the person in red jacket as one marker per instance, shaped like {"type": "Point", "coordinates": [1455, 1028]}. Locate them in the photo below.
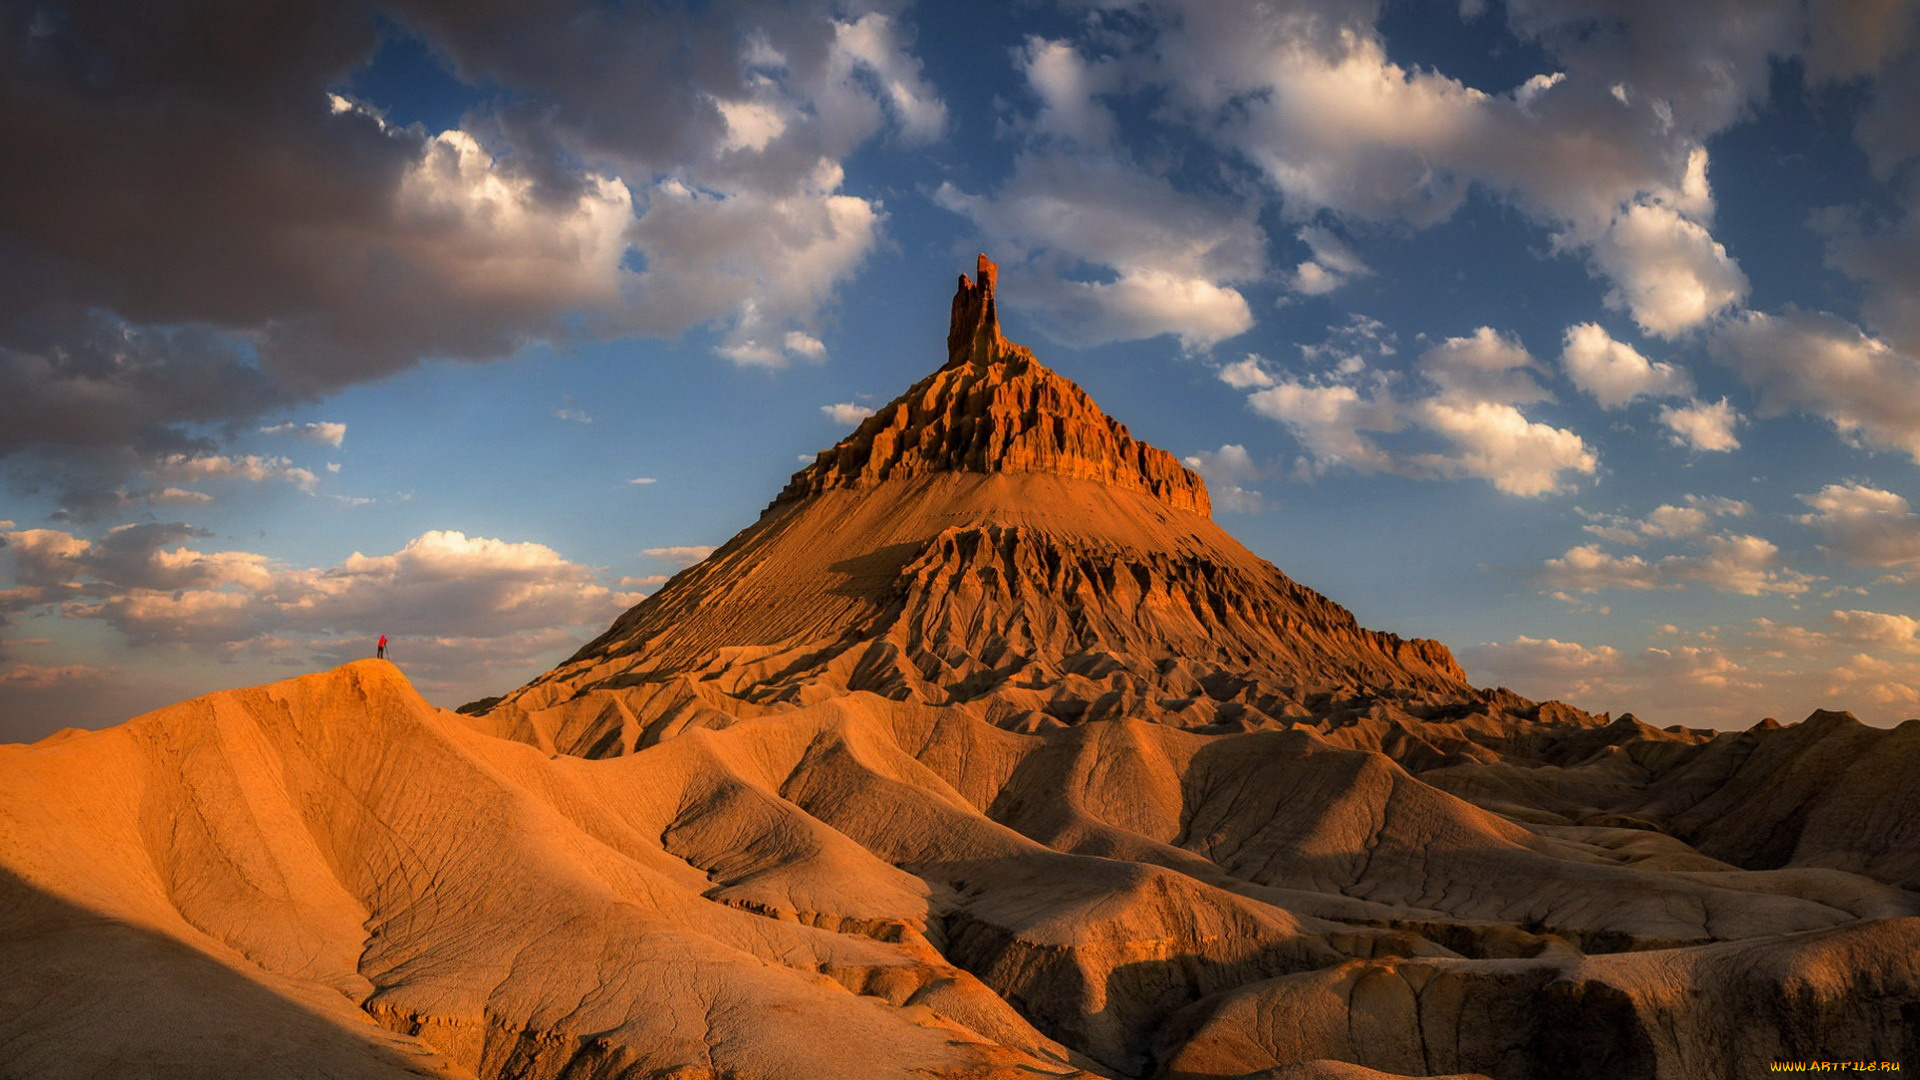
{"type": "Point", "coordinates": [380, 650]}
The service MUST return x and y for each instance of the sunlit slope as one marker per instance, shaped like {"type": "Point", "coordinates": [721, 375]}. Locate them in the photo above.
{"type": "Point", "coordinates": [862, 887]}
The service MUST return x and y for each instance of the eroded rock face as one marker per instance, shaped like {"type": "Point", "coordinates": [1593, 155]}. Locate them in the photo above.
{"type": "Point", "coordinates": [995, 409]}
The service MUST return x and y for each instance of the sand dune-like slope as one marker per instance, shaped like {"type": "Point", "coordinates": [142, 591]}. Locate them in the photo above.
{"type": "Point", "coordinates": [329, 877]}
{"type": "Point", "coordinates": [984, 754]}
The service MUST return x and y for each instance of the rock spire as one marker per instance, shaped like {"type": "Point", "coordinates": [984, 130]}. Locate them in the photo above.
{"type": "Point", "coordinates": [990, 541]}
{"type": "Point", "coordinates": [973, 336]}
{"type": "Point", "coordinates": [993, 408]}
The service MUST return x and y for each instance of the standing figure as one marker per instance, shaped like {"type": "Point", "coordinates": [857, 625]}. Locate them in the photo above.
{"type": "Point", "coordinates": [380, 650]}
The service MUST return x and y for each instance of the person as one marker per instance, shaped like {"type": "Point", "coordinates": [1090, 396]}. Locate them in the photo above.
{"type": "Point", "coordinates": [380, 650]}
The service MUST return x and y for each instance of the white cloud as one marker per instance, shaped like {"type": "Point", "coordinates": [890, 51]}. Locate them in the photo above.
{"type": "Point", "coordinates": [751, 261]}
{"type": "Point", "coordinates": [1333, 422]}
{"type": "Point", "coordinates": [251, 467]}
{"type": "Point", "coordinates": [1485, 368]}
{"type": "Point", "coordinates": [173, 496]}
{"type": "Point", "coordinates": [1066, 85]}
{"type": "Point", "coordinates": [1471, 412]}
{"type": "Point", "coordinates": [846, 412]}
{"type": "Point", "coordinates": [1608, 151]}
{"type": "Point", "coordinates": [1246, 374]}
{"type": "Point", "coordinates": [441, 582]}
{"type": "Point", "coordinates": [1668, 272]}
{"type": "Point", "coordinates": [1702, 425]}
{"type": "Point", "coordinates": [1333, 263]}
{"type": "Point", "coordinates": [1744, 565]}
{"type": "Point", "coordinates": [1227, 471]}
{"type": "Point", "coordinates": [1166, 261]}
{"type": "Point", "coordinates": [323, 432]}
{"type": "Point", "coordinates": [1825, 365]}
{"type": "Point", "coordinates": [872, 42]}
{"type": "Point", "coordinates": [682, 555]}
{"type": "Point", "coordinates": [1667, 521]}
{"type": "Point", "coordinates": [572, 416]}
{"type": "Point", "coordinates": [751, 125]}
{"type": "Point", "coordinates": [1614, 373]}
{"type": "Point", "coordinates": [1879, 629]}
{"type": "Point", "coordinates": [1865, 526]}
{"type": "Point", "coordinates": [643, 480]}
{"type": "Point", "coordinates": [805, 345]}
{"type": "Point", "coordinates": [1497, 443]}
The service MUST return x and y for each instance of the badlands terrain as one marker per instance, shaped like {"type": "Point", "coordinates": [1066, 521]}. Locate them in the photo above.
{"type": "Point", "coordinates": [984, 753]}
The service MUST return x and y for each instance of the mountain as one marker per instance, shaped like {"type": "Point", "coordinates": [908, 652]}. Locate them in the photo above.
{"type": "Point", "coordinates": [989, 541]}
{"type": "Point", "coordinates": [982, 755]}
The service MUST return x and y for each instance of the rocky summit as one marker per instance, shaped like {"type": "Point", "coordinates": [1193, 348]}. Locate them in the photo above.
{"type": "Point", "coordinates": [989, 541]}
{"type": "Point", "coordinates": [983, 754]}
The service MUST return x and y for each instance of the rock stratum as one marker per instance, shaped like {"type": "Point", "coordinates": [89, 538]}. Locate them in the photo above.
{"type": "Point", "coordinates": [983, 754]}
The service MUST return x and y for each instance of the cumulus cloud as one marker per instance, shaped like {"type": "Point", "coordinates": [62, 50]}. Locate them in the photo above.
{"type": "Point", "coordinates": [237, 283]}
{"type": "Point", "coordinates": [749, 260]}
{"type": "Point", "coordinates": [1484, 368]}
{"type": "Point", "coordinates": [1165, 261]}
{"type": "Point", "coordinates": [1863, 525]}
{"type": "Point", "coordinates": [1227, 471]}
{"type": "Point", "coordinates": [1740, 564]}
{"type": "Point", "coordinates": [1614, 373]}
{"type": "Point", "coordinates": [1879, 629]}
{"type": "Point", "coordinates": [846, 412]}
{"type": "Point", "coordinates": [1249, 373]}
{"type": "Point", "coordinates": [1067, 85]}
{"type": "Point", "coordinates": [1609, 150]}
{"type": "Point", "coordinates": [1471, 411]}
{"type": "Point", "coordinates": [1668, 271]}
{"type": "Point", "coordinates": [1702, 425]}
{"type": "Point", "coordinates": [1495, 442]}
{"type": "Point", "coordinates": [1826, 366]}
{"type": "Point", "coordinates": [873, 42]}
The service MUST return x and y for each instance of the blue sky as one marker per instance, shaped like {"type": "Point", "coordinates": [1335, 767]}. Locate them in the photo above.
{"type": "Point", "coordinates": [1581, 335]}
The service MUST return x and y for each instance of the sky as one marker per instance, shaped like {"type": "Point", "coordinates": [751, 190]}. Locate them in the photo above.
{"type": "Point", "coordinates": [1581, 335]}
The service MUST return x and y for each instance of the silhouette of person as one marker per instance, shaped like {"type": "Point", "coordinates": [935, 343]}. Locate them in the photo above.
{"type": "Point", "coordinates": [380, 650]}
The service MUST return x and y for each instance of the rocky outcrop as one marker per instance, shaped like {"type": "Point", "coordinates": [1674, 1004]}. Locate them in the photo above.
{"type": "Point", "coordinates": [995, 409]}
{"type": "Point", "coordinates": [990, 540]}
